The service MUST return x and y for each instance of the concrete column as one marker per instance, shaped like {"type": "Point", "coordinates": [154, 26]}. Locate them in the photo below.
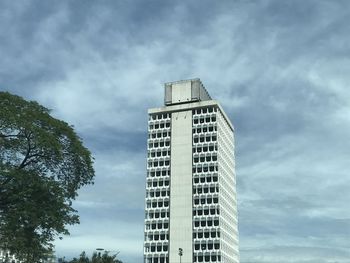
{"type": "Point", "coordinates": [181, 187]}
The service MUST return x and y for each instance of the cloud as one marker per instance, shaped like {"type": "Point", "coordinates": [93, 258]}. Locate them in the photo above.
{"type": "Point", "coordinates": [278, 69]}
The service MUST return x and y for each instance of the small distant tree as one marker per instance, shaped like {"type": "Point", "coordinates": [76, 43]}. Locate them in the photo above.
{"type": "Point", "coordinates": [96, 258]}
{"type": "Point", "coordinates": [43, 163]}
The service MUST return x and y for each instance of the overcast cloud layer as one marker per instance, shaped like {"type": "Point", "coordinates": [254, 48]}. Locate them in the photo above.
{"type": "Point", "coordinates": [281, 70]}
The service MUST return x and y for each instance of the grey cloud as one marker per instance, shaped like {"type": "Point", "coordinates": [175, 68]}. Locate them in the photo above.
{"type": "Point", "coordinates": [278, 68]}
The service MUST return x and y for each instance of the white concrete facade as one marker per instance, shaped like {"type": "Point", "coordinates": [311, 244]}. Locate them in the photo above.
{"type": "Point", "coordinates": [191, 183]}
{"type": "Point", "coordinates": [181, 187]}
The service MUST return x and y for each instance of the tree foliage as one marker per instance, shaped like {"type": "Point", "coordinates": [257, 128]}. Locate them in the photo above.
{"type": "Point", "coordinates": [96, 258]}
{"type": "Point", "coordinates": [42, 165]}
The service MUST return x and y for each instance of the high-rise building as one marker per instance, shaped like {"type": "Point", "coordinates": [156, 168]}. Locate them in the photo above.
{"type": "Point", "coordinates": [191, 208]}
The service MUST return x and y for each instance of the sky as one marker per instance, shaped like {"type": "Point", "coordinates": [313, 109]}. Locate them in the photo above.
{"type": "Point", "coordinates": [280, 69]}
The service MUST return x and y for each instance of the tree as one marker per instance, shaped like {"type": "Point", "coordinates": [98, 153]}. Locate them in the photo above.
{"type": "Point", "coordinates": [43, 163]}
{"type": "Point", "coordinates": [96, 258]}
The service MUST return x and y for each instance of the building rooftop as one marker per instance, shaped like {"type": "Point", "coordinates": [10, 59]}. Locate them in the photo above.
{"type": "Point", "coordinates": [185, 91]}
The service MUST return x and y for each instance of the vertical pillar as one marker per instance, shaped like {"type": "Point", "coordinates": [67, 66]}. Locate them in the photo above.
{"type": "Point", "coordinates": [181, 187]}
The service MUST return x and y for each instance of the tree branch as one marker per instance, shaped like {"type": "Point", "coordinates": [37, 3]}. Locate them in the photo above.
{"type": "Point", "coordinates": [29, 148]}
{"type": "Point", "coordinates": [9, 135]}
